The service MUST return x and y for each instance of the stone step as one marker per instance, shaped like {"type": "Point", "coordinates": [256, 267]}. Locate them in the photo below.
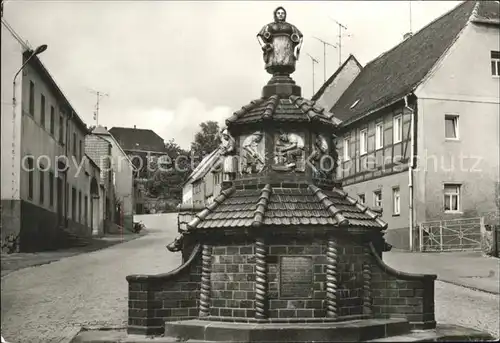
{"type": "Point", "coordinates": [348, 331]}
{"type": "Point", "coordinates": [442, 333]}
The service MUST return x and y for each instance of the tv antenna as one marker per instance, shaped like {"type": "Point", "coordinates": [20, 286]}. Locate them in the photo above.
{"type": "Point", "coordinates": [340, 38]}
{"type": "Point", "coordinates": [313, 60]}
{"type": "Point", "coordinates": [324, 55]}
{"type": "Point", "coordinates": [96, 111]}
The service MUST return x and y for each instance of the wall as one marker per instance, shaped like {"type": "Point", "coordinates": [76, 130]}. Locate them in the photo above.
{"type": "Point", "coordinates": [397, 232]}
{"type": "Point", "coordinates": [187, 194]}
{"type": "Point", "coordinates": [11, 62]}
{"type": "Point", "coordinates": [123, 180]}
{"type": "Point", "coordinates": [339, 84]}
{"type": "Point", "coordinates": [473, 159]}
{"type": "Point", "coordinates": [392, 157]}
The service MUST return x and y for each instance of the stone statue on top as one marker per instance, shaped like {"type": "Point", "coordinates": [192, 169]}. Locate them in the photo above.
{"type": "Point", "coordinates": [281, 43]}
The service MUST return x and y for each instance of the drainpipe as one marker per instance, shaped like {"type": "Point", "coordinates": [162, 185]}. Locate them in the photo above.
{"type": "Point", "coordinates": [411, 166]}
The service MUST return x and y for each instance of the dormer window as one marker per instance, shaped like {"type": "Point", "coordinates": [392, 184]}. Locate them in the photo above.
{"type": "Point", "coordinates": [354, 104]}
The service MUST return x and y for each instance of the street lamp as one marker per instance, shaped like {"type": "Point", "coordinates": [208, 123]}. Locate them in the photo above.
{"type": "Point", "coordinates": [37, 51]}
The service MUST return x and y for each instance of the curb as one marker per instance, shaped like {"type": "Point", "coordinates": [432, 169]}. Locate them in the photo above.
{"type": "Point", "coordinates": [469, 287]}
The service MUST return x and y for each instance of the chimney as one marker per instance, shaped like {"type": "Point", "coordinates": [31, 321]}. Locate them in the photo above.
{"type": "Point", "coordinates": [407, 35]}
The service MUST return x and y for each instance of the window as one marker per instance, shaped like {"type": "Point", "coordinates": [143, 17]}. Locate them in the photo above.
{"type": "Point", "coordinates": [80, 152]}
{"type": "Point", "coordinates": [362, 199]}
{"type": "Point", "coordinates": [51, 188]}
{"type": "Point", "coordinates": [346, 149]}
{"type": "Point", "coordinates": [451, 127]}
{"type": "Point", "coordinates": [80, 206]}
{"type": "Point", "coordinates": [42, 185]}
{"type": "Point", "coordinates": [379, 136]}
{"type": "Point", "coordinates": [396, 201]}
{"type": "Point", "coordinates": [52, 119]}
{"type": "Point", "coordinates": [451, 198]}
{"type": "Point", "coordinates": [73, 203]}
{"type": "Point", "coordinates": [32, 99]}
{"type": "Point", "coordinates": [42, 110]}
{"type": "Point", "coordinates": [363, 141]}
{"type": "Point", "coordinates": [495, 63]}
{"type": "Point", "coordinates": [30, 177]}
{"type": "Point", "coordinates": [377, 198]}
{"type": "Point", "coordinates": [61, 128]}
{"type": "Point", "coordinates": [398, 129]}
{"type": "Point", "coordinates": [74, 144]}
{"type": "Point", "coordinates": [85, 206]}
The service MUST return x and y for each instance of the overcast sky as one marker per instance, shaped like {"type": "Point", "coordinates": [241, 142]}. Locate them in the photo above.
{"type": "Point", "coordinates": [169, 65]}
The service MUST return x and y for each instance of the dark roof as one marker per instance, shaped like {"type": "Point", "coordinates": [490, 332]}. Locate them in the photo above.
{"type": "Point", "coordinates": [138, 139]}
{"type": "Point", "coordinates": [397, 72]}
{"type": "Point", "coordinates": [320, 92]}
{"type": "Point", "coordinates": [488, 11]}
{"type": "Point", "coordinates": [290, 109]}
{"type": "Point", "coordinates": [308, 205]}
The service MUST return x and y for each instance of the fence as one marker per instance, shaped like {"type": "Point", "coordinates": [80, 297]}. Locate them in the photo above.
{"type": "Point", "coordinates": [451, 235]}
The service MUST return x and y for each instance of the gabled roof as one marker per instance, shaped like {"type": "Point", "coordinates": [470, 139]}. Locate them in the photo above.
{"type": "Point", "coordinates": [277, 206]}
{"type": "Point", "coordinates": [320, 92]}
{"type": "Point", "coordinates": [290, 109]}
{"type": "Point", "coordinates": [204, 167]}
{"type": "Point", "coordinates": [101, 131]}
{"type": "Point", "coordinates": [397, 72]}
{"type": "Point", "coordinates": [487, 12]}
{"type": "Point", "coordinates": [138, 139]}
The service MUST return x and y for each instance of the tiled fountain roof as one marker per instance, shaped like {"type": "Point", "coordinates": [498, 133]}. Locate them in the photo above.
{"type": "Point", "coordinates": [308, 205]}
{"type": "Point", "coordinates": [289, 109]}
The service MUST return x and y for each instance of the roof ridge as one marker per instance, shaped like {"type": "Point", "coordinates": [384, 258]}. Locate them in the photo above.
{"type": "Point", "coordinates": [418, 32]}
{"type": "Point", "coordinates": [271, 105]}
{"type": "Point", "coordinates": [262, 206]}
{"type": "Point", "coordinates": [329, 205]}
{"type": "Point", "coordinates": [199, 217]}
{"type": "Point", "coordinates": [244, 109]}
{"type": "Point", "coordinates": [332, 77]}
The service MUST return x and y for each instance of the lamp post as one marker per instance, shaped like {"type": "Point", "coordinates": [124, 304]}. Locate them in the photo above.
{"type": "Point", "coordinates": [37, 51]}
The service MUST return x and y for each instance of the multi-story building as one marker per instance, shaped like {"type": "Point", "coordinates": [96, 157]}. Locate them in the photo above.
{"type": "Point", "coordinates": [48, 185]}
{"type": "Point", "coordinates": [99, 150]}
{"type": "Point", "coordinates": [122, 179]}
{"type": "Point", "coordinates": [204, 183]}
{"type": "Point", "coordinates": [144, 148]}
{"type": "Point", "coordinates": [420, 123]}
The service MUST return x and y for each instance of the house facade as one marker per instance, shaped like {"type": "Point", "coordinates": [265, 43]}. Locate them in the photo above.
{"type": "Point", "coordinates": [420, 127]}
{"type": "Point", "coordinates": [122, 180]}
{"type": "Point", "coordinates": [46, 179]}
{"type": "Point", "coordinates": [204, 183]}
{"type": "Point", "coordinates": [144, 147]}
{"type": "Point", "coordinates": [99, 149]}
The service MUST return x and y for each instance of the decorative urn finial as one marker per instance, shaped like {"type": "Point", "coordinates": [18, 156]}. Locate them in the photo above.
{"type": "Point", "coordinates": [281, 43]}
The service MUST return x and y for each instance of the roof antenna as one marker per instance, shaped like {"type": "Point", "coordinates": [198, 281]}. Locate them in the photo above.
{"type": "Point", "coordinates": [96, 111]}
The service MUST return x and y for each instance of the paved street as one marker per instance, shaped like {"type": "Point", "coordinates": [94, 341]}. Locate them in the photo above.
{"type": "Point", "coordinates": [50, 303]}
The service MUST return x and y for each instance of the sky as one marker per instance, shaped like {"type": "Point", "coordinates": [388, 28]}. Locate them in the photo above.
{"type": "Point", "coordinates": [170, 65]}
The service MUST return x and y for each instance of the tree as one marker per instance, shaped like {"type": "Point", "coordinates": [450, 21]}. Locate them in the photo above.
{"type": "Point", "coordinates": [206, 140]}
{"type": "Point", "coordinates": [168, 174]}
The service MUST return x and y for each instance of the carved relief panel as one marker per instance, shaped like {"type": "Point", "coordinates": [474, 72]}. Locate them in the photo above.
{"type": "Point", "coordinates": [289, 152]}
{"type": "Point", "coordinates": [252, 153]}
{"type": "Point", "coordinates": [323, 158]}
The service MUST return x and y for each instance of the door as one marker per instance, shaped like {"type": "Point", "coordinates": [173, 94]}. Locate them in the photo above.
{"type": "Point", "coordinates": [59, 200]}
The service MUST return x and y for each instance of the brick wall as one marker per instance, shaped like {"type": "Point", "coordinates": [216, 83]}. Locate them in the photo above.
{"type": "Point", "coordinates": [233, 281]}
{"type": "Point", "coordinates": [97, 149]}
{"type": "Point", "coordinates": [165, 297]}
{"type": "Point", "coordinates": [398, 294]}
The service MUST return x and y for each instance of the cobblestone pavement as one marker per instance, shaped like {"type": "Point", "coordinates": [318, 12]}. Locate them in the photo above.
{"type": "Point", "coordinates": [50, 303]}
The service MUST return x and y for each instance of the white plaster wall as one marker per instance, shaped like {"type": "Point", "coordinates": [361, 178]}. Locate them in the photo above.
{"type": "Point", "coordinates": [11, 62]}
